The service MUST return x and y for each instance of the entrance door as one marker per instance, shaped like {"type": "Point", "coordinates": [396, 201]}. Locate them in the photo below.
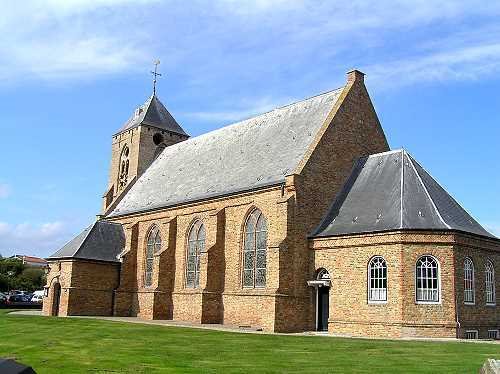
{"type": "Point", "coordinates": [323, 308]}
{"type": "Point", "coordinates": [56, 299]}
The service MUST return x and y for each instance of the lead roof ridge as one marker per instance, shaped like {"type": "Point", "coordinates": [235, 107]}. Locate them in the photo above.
{"type": "Point", "coordinates": [427, 193]}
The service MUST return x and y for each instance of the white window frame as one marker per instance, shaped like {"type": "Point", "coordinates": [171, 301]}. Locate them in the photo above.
{"type": "Point", "coordinates": [379, 278]}
{"type": "Point", "coordinates": [489, 280]}
{"type": "Point", "coordinates": [426, 302]}
{"type": "Point", "coordinates": [475, 332]}
{"type": "Point", "coordinates": [469, 282]}
{"type": "Point", "coordinates": [497, 334]}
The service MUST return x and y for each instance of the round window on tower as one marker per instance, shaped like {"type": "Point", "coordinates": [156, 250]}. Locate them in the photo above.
{"type": "Point", "coordinates": [157, 138]}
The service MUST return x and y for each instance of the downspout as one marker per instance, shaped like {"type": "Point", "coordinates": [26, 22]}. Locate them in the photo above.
{"type": "Point", "coordinates": [457, 319]}
{"type": "Point", "coordinates": [456, 315]}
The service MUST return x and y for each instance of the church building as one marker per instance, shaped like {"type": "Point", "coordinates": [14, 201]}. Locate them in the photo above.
{"type": "Point", "coordinates": [298, 219]}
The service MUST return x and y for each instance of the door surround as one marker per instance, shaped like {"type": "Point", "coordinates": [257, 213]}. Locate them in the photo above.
{"type": "Point", "coordinates": [322, 285]}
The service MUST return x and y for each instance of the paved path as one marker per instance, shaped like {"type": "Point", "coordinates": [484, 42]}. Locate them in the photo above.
{"type": "Point", "coordinates": [245, 330]}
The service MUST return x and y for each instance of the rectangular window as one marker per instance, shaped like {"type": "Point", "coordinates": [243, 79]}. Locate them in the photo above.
{"type": "Point", "coordinates": [493, 334]}
{"type": "Point", "coordinates": [427, 280]}
{"type": "Point", "coordinates": [377, 280]}
{"type": "Point", "coordinates": [469, 296]}
{"type": "Point", "coordinates": [490, 283]}
{"type": "Point", "coordinates": [471, 334]}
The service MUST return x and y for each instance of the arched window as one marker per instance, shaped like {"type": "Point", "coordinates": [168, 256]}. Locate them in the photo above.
{"type": "Point", "coordinates": [124, 164]}
{"type": "Point", "coordinates": [255, 250]}
{"type": "Point", "coordinates": [377, 280]}
{"type": "Point", "coordinates": [153, 245]}
{"type": "Point", "coordinates": [427, 280]}
{"type": "Point", "coordinates": [469, 295]}
{"type": "Point", "coordinates": [489, 271]}
{"type": "Point", "coordinates": [196, 245]}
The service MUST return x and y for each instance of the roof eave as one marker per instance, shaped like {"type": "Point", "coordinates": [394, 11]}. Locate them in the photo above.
{"type": "Point", "coordinates": [434, 230]}
{"type": "Point", "coordinates": [52, 259]}
{"type": "Point", "coordinates": [193, 201]}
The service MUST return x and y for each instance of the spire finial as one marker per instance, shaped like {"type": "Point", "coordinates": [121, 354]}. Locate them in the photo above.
{"type": "Point", "coordinates": [155, 74]}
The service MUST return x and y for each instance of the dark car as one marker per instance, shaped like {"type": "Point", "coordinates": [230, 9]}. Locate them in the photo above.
{"type": "Point", "coordinates": [18, 300]}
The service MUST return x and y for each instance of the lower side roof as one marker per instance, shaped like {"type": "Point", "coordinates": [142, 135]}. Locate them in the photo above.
{"type": "Point", "coordinates": [391, 191]}
{"type": "Point", "coordinates": [101, 241]}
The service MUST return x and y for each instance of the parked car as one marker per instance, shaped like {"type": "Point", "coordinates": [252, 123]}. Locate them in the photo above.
{"type": "Point", "coordinates": [16, 292]}
{"type": "Point", "coordinates": [3, 298]}
{"type": "Point", "coordinates": [18, 300]}
{"type": "Point", "coordinates": [37, 298]}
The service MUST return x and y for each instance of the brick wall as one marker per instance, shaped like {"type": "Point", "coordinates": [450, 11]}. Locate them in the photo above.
{"type": "Point", "coordinates": [346, 258]}
{"type": "Point", "coordinates": [86, 287]}
{"type": "Point", "coordinates": [220, 296]}
{"type": "Point", "coordinates": [480, 315]}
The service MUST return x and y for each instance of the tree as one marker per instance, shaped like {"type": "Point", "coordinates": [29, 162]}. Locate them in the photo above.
{"type": "Point", "coordinates": [11, 266]}
{"type": "Point", "coordinates": [14, 275]}
{"type": "Point", "coordinates": [31, 279]}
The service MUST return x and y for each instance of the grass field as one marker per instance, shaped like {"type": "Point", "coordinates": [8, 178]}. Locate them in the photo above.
{"type": "Point", "coordinates": [71, 345]}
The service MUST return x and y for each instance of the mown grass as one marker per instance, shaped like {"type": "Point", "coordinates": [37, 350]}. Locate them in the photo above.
{"type": "Point", "coordinates": [71, 345]}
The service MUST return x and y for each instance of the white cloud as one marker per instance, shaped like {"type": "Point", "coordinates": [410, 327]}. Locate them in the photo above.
{"type": "Point", "coordinates": [25, 238]}
{"type": "Point", "coordinates": [464, 63]}
{"type": "Point", "coordinates": [68, 39]}
{"type": "Point", "coordinates": [75, 39]}
{"type": "Point", "coordinates": [4, 191]}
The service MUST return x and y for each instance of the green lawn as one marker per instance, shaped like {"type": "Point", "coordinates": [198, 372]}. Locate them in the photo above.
{"type": "Point", "coordinates": [71, 345]}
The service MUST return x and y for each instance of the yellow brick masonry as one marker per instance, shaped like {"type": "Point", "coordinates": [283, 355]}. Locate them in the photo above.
{"type": "Point", "coordinates": [347, 258]}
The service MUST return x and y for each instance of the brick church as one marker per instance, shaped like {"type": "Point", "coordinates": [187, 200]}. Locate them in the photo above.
{"type": "Point", "coordinates": [298, 219]}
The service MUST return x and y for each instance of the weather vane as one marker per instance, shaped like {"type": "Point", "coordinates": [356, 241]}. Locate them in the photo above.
{"type": "Point", "coordinates": [155, 74]}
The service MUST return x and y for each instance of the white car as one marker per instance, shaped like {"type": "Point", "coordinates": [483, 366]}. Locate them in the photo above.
{"type": "Point", "coordinates": [37, 297]}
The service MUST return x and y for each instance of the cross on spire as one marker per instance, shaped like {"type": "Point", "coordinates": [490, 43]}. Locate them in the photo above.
{"type": "Point", "coordinates": [155, 74]}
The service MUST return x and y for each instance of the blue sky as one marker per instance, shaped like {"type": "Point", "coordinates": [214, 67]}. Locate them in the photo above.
{"type": "Point", "coordinates": [72, 71]}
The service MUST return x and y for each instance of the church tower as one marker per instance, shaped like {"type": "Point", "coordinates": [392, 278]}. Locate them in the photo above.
{"type": "Point", "coordinates": [141, 139]}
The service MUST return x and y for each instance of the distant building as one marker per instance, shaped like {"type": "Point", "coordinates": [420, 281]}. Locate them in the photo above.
{"type": "Point", "coordinates": [297, 219]}
{"type": "Point", "coordinates": [31, 261]}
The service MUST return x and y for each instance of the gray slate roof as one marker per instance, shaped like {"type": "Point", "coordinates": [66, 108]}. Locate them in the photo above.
{"type": "Point", "coordinates": [101, 241]}
{"type": "Point", "coordinates": [153, 113]}
{"type": "Point", "coordinates": [391, 191]}
{"type": "Point", "coordinates": [253, 153]}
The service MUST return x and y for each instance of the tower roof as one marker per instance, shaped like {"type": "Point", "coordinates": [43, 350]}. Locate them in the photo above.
{"type": "Point", "coordinates": [153, 113]}
{"type": "Point", "coordinates": [391, 191]}
{"type": "Point", "coordinates": [101, 241]}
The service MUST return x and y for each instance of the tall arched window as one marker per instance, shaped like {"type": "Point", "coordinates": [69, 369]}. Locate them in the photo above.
{"type": "Point", "coordinates": [255, 250]}
{"type": "Point", "coordinates": [469, 294]}
{"type": "Point", "coordinates": [427, 280]}
{"type": "Point", "coordinates": [489, 272]}
{"type": "Point", "coordinates": [377, 280]}
{"type": "Point", "coordinates": [153, 245]}
{"type": "Point", "coordinates": [196, 245]}
{"type": "Point", "coordinates": [124, 164]}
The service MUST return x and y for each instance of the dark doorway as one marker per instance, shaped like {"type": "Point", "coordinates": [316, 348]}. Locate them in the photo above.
{"type": "Point", "coordinates": [56, 299]}
{"type": "Point", "coordinates": [323, 308]}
